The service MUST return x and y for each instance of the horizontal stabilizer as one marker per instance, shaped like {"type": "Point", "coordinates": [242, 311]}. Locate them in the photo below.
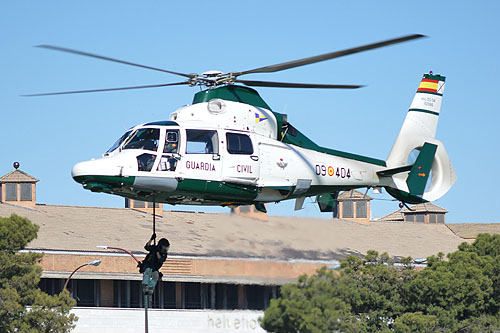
{"type": "Point", "coordinates": [393, 171]}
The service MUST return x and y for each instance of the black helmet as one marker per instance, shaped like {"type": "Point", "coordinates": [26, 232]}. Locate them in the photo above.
{"type": "Point", "coordinates": [163, 245]}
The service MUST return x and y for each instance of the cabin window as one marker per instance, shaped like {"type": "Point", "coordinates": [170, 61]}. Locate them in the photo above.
{"type": "Point", "coordinates": [201, 142]}
{"type": "Point", "coordinates": [239, 144]}
{"type": "Point", "coordinates": [171, 141]}
{"type": "Point", "coordinates": [118, 142]}
{"type": "Point", "coordinates": [144, 138]}
{"type": "Point", "coordinates": [145, 162]}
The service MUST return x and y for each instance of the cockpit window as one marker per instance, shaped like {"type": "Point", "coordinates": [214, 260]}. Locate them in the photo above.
{"type": "Point", "coordinates": [144, 138]}
{"type": "Point", "coordinates": [119, 142]}
{"type": "Point", "coordinates": [202, 142]}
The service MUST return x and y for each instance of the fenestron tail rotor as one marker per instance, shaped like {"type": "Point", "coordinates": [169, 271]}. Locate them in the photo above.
{"type": "Point", "coordinates": [215, 78]}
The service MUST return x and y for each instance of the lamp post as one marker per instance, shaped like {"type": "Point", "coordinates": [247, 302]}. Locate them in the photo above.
{"type": "Point", "coordinates": [146, 296]}
{"type": "Point", "coordinates": [105, 247]}
{"type": "Point", "coordinates": [96, 262]}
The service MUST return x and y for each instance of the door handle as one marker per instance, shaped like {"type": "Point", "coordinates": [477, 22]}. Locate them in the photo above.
{"type": "Point", "coordinates": [254, 157]}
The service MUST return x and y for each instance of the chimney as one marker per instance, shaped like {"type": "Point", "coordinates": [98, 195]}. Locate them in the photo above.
{"type": "Point", "coordinates": [144, 206]}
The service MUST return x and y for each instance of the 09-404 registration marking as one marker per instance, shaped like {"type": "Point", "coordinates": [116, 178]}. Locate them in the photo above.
{"type": "Point", "coordinates": [323, 170]}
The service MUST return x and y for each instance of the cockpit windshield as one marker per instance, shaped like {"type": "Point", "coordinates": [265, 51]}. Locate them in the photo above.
{"type": "Point", "coordinates": [119, 142]}
{"type": "Point", "coordinates": [144, 138]}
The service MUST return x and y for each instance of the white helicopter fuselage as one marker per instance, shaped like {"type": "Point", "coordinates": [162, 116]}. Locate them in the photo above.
{"type": "Point", "coordinates": [228, 148]}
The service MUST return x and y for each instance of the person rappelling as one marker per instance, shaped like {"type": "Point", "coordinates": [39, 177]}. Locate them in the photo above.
{"type": "Point", "coordinates": [151, 265]}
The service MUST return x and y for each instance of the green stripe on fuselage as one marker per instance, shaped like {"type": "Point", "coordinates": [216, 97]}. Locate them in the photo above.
{"type": "Point", "coordinates": [216, 190]}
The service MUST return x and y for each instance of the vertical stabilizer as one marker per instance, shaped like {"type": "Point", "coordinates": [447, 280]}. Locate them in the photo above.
{"type": "Point", "coordinates": [421, 121]}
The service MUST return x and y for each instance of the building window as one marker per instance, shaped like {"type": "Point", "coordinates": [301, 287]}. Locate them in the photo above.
{"type": "Point", "coordinates": [420, 217]}
{"type": "Point", "coordinates": [168, 295]}
{"type": "Point", "coordinates": [440, 218]}
{"type": "Point", "coordinates": [202, 142]}
{"type": "Point", "coordinates": [192, 295]}
{"type": "Point", "coordinates": [245, 209]}
{"type": "Point", "coordinates": [86, 292]}
{"type": "Point", "coordinates": [409, 217]}
{"type": "Point", "coordinates": [432, 218]}
{"type": "Point", "coordinates": [26, 192]}
{"type": "Point", "coordinates": [139, 204]}
{"type": "Point", "coordinates": [348, 209]}
{"type": "Point", "coordinates": [361, 211]}
{"type": "Point", "coordinates": [51, 286]}
{"type": "Point", "coordinates": [226, 296]}
{"type": "Point", "coordinates": [10, 192]}
{"type": "Point", "coordinates": [239, 144]}
{"type": "Point", "coordinates": [136, 294]}
{"type": "Point", "coordinates": [156, 205]}
{"type": "Point", "coordinates": [255, 297]}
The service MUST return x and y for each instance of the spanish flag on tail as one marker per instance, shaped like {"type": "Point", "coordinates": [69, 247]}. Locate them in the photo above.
{"type": "Point", "coordinates": [433, 84]}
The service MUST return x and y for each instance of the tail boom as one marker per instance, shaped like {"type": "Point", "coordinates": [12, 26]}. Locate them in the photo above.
{"type": "Point", "coordinates": [418, 133]}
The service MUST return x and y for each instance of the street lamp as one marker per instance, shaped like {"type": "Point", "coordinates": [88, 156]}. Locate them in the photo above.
{"type": "Point", "coordinates": [105, 247]}
{"type": "Point", "coordinates": [96, 262]}
{"type": "Point", "coordinates": [146, 299]}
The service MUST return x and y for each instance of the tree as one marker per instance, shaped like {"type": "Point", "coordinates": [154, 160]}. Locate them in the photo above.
{"type": "Point", "coordinates": [308, 306]}
{"type": "Point", "coordinates": [23, 306]}
{"type": "Point", "coordinates": [463, 289]}
{"type": "Point", "coordinates": [460, 294]}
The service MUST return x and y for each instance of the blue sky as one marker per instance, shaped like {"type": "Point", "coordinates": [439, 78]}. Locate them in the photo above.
{"type": "Point", "coordinates": [48, 135]}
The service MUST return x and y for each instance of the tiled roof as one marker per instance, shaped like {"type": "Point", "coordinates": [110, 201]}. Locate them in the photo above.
{"type": "Point", "coordinates": [223, 235]}
{"type": "Point", "coordinates": [425, 207]}
{"type": "Point", "coordinates": [471, 230]}
{"type": "Point", "coordinates": [420, 208]}
{"type": "Point", "coordinates": [18, 176]}
{"type": "Point", "coordinates": [353, 194]}
{"type": "Point", "coordinates": [396, 216]}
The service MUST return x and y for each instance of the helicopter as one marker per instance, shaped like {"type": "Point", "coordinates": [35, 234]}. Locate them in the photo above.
{"type": "Point", "coordinates": [229, 148]}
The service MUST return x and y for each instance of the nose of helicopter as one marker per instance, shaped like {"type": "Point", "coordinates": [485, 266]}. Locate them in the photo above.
{"type": "Point", "coordinates": [100, 170]}
{"type": "Point", "coordinates": [86, 168]}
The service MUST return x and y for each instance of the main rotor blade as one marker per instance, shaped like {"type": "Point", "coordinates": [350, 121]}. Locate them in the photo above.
{"type": "Point", "coordinates": [328, 56]}
{"type": "Point", "coordinates": [296, 85]}
{"type": "Point", "coordinates": [107, 89]}
{"type": "Point", "coordinates": [62, 49]}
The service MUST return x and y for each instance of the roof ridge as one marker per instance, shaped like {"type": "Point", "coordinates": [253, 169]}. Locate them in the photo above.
{"type": "Point", "coordinates": [16, 176]}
